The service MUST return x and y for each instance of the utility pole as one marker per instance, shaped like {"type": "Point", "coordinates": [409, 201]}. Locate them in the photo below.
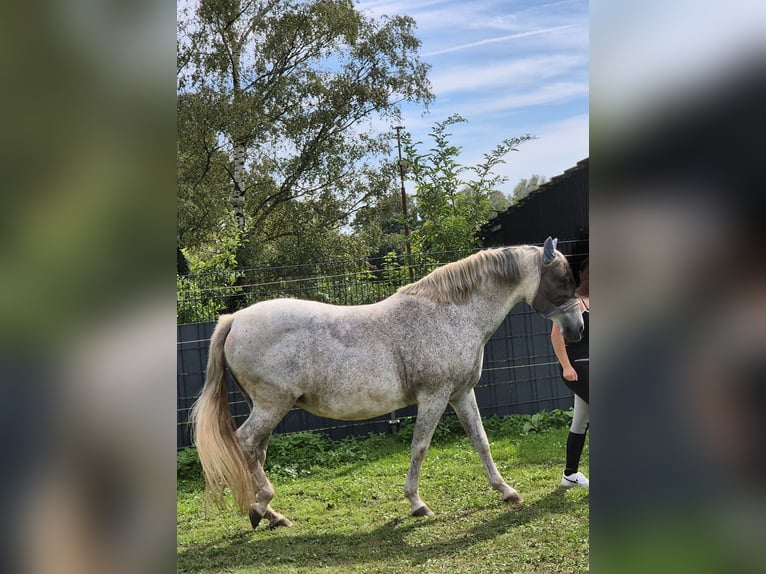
{"type": "Point", "coordinates": [404, 200]}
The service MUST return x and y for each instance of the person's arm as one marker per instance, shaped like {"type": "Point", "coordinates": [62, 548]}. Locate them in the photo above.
{"type": "Point", "coordinates": [559, 347]}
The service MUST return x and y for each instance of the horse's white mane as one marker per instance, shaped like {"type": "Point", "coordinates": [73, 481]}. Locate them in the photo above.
{"type": "Point", "coordinates": [454, 282]}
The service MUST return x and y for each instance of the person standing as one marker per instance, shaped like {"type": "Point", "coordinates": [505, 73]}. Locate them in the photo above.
{"type": "Point", "coordinates": [573, 359]}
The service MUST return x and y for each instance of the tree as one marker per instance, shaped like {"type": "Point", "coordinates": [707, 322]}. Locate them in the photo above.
{"type": "Point", "coordinates": [381, 225]}
{"type": "Point", "coordinates": [453, 200]}
{"type": "Point", "coordinates": [202, 175]}
{"type": "Point", "coordinates": [499, 201]}
{"type": "Point", "coordinates": [525, 187]}
{"type": "Point", "coordinates": [276, 103]}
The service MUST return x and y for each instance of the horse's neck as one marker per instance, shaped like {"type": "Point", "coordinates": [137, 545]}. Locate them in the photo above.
{"type": "Point", "coordinates": [492, 302]}
{"type": "Point", "coordinates": [489, 309]}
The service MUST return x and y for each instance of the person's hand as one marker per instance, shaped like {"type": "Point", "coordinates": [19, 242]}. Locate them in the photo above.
{"type": "Point", "coordinates": [570, 374]}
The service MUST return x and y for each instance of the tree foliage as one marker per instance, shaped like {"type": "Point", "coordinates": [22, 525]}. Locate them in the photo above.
{"type": "Point", "coordinates": [380, 226]}
{"type": "Point", "coordinates": [525, 187]}
{"type": "Point", "coordinates": [453, 199]}
{"type": "Point", "coordinates": [281, 159]}
{"type": "Point", "coordinates": [276, 104]}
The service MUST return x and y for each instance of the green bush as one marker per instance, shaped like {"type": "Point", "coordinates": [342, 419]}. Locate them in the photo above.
{"type": "Point", "coordinates": [545, 420]}
{"type": "Point", "coordinates": [203, 293]}
{"type": "Point", "coordinates": [188, 467]}
{"type": "Point", "coordinates": [294, 454]}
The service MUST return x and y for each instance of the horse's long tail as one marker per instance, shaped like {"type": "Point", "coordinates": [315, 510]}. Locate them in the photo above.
{"type": "Point", "coordinates": [224, 463]}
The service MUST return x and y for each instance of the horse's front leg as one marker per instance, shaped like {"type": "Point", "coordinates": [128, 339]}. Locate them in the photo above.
{"type": "Point", "coordinates": [468, 412]}
{"type": "Point", "coordinates": [429, 413]}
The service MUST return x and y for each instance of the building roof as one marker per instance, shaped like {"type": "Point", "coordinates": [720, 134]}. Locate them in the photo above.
{"type": "Point", "coordinates": [558, 208]}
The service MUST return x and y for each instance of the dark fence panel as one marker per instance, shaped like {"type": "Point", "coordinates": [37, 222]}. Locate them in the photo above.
{"type": "Point", "coordinates": [520, 375]}
{"type": "Point", "coordinates": [191, 358]}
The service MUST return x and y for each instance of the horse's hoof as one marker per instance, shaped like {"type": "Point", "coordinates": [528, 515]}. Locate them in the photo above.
{"type": "Point", "coordinates": [513, 497]}
{"type": "Point", "coordinates": [422, 511]}
{"type": "Point", "coordinates": [255, 517]}
{"type": "Point", "coordinates": [281, 521]}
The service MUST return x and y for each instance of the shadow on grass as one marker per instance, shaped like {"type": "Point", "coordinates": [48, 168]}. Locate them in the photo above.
{"type": "Point", "coordinates": [391, 541]}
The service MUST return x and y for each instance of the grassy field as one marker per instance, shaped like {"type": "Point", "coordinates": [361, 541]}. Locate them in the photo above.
{"type": "Point", "coordinates": [349, 513]}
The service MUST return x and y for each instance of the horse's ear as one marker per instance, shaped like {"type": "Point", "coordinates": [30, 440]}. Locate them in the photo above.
{"type": "Point", "coordinates": [549, 250]}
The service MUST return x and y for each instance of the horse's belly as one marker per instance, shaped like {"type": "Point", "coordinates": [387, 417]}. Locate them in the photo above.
{"type": "Point", "coordinates": [352, 405]}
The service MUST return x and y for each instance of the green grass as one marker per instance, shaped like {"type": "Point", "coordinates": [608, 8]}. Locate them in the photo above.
{"type": "Point", "coordinates": [350, 514]}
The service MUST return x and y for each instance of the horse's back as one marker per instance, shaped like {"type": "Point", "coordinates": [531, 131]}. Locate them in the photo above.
{"type": "Point", "coordinates": [283, 317]}
{"type": "Point", "coordinates": [335, 361]}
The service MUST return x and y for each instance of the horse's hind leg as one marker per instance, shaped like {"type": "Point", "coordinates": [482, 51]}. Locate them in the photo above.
{"type": "Point", "coordinates": [254, 437]}
{"type": "Point", "coordinates": [429, 413]}
{"type": "Point", "coordinates": [265, 491]}
{"type": "Point", "coordinates": [468, 412]}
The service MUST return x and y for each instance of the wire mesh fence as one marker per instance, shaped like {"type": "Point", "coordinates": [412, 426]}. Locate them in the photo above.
{"type": "Point", "coordinates": [202, 297]}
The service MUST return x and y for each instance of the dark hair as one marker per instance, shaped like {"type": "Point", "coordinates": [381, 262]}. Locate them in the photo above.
{"type": "Point", "coordinates": [583, 267]}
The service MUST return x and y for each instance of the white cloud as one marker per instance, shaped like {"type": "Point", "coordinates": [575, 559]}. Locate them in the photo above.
{"type": "Point", "coordinates": [500, 104]}
{"type": "Point", "coordinates": [496, 40]}
{"type": "Point", "coordinates": [560, 145]}
{"type": "Point", "coordinates": [546, 94]}
{"type": "Point", "coordinates": [509, 74]}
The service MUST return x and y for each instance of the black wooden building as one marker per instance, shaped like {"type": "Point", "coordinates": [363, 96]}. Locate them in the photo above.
{"type": "Point", "coordinates": [558, 208]}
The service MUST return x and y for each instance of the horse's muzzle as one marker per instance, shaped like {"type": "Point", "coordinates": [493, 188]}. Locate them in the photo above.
{"type": "Point", "coordinates": [572, 335]}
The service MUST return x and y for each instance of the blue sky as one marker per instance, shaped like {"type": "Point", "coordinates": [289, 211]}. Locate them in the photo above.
{"type": "Point", "coordinates": [508, 67]}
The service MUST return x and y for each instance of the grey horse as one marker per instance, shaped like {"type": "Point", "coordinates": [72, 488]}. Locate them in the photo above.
{"type": "Point", "coordinates": [423, 345]}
